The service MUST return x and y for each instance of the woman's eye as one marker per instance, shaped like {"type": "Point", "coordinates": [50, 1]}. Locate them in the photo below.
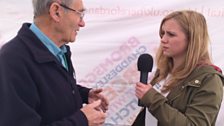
{"type": "Point", "coordinates": [171, 34]}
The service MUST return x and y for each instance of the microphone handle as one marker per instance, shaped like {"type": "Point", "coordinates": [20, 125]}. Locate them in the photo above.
{"type": "Point", "coordinates": [144, 80]}
{"type": "Point", "coordinates": [144, 77]}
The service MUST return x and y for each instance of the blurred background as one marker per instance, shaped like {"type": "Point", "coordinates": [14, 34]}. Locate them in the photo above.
{"type": "Point", "coordinates": [116, 33]}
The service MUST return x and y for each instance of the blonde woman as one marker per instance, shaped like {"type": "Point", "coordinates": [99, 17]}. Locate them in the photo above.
{"type": "Point", "coordinates": [187, 88]}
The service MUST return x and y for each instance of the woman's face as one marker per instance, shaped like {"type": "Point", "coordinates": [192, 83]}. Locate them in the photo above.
{"type": "Point", "coordinates": [173, 39]}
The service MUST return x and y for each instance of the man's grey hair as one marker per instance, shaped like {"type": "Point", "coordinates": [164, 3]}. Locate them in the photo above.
{"type": "Point", "coordinates": [42, 6]}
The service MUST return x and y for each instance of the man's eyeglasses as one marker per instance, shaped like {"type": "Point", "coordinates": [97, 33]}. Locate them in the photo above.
{"type": "Point", "coordinates": [81, 13]}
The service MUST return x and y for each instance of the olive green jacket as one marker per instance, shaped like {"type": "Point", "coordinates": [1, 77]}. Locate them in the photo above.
{"type": "Point", "coordinates": [194, 102]}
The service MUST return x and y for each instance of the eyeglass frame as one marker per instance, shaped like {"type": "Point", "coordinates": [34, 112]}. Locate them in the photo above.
{"type": "Point", "coordinates": [81, 13]}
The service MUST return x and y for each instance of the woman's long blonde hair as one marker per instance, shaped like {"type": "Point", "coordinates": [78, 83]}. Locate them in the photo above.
{"type": "Point", "coordinates": [194, 26]}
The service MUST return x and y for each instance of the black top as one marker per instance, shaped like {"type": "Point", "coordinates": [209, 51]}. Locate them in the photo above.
{"type": "Point", "coordinates": [35, 89]}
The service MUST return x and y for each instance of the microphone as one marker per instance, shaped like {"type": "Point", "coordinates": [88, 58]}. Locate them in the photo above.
{"type": "Point", "coordinates": [145, 64]}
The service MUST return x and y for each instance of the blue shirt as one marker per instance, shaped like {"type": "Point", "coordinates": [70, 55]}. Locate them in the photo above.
{"type": "Point", "coordinates": [52, 47]}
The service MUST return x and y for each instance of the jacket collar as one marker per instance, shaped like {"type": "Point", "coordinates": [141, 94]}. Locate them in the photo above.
{"type": "Point", "coordinates": [39, 51]}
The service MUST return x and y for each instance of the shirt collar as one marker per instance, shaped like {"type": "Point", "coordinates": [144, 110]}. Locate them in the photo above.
{"type": "Point", "coordinates": [47, 41]}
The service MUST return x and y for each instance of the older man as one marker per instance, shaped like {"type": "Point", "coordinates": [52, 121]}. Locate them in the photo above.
{"type": "Point", "coordinates": [37, 84]}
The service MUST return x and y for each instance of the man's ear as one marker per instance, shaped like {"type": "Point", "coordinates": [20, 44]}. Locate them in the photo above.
{"type": "Point", "coordinates": [54, 11]}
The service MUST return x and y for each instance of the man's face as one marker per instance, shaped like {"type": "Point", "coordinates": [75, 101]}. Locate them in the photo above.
{"type": "Point", "coordinates": [72, 21]}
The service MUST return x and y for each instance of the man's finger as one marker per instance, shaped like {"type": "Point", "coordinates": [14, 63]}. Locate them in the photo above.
{"type": "Point", "coordinates": [95, 104]}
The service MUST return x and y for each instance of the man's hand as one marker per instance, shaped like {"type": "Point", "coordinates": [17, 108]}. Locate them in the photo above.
{"type": "Point", "coordinates": [94, 95]}
{"type": "Point", "coordinates": [94, 116]}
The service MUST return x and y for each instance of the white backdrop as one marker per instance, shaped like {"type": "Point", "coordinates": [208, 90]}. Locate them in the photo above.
{"type": "Point", "coordinates": [116, 33]}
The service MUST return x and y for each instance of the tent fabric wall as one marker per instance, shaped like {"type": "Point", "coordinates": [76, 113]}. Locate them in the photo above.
{"type": "Point", "coordinates": [116, 33]}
